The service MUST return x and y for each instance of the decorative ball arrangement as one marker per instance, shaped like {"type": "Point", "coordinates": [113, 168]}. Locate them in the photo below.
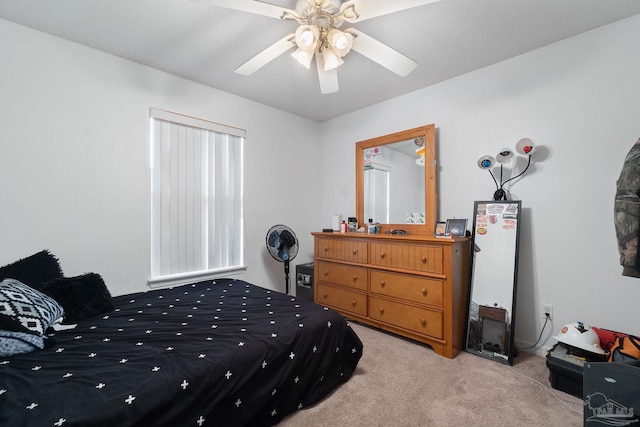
{"type": "Point", "coordinates": [524, 147]}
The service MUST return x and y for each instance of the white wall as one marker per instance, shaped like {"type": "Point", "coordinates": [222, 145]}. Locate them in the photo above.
{"type": "Point", "coordinates": [74, 169]}
{"type": "Point", "coordinates": [74, 174]}
{"type": "Point", "coordinates": [578, 101]}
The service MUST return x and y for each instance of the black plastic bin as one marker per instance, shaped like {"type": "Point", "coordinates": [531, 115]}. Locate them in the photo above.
{"type": "Point", "coordinates": [565, 370]}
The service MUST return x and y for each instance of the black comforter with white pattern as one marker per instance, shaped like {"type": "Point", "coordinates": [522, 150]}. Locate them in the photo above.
{"type": "Point", "coordinates": [214, 353]}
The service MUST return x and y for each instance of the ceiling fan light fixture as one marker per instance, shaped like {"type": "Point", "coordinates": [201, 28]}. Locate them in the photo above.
{"type": "Point", "coordinates": [340, 41]}
{"type": "Point", "coordinates": [330, 59]}
{"type": "Point", "coordinates": [348, 12]}
{"type": "Point", "coordinates": [307, 37]}
{"type": "Point", "coordinates": [304, 57]}
{"type": "Point", "coordinates": [312, 41]}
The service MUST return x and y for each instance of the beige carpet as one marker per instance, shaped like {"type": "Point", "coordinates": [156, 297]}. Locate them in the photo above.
{"type": "Point", "coordinates": [402, 383]}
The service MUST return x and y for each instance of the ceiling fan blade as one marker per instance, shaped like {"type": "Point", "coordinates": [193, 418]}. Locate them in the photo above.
{"type": "Point", "coordinates": [251, 6]}
{"type": "Point", "coordinates": [368, 9]}
{"type": "Point", "coordinates": [381, 53]}
{"type": "Point", "coordinates": [328, 79]}
{"type": "Point", "coordinates": [267, 55]}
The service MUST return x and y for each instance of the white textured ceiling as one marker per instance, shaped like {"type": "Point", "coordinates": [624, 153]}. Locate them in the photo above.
{"type": "Point", "coordinates": [206, 43]}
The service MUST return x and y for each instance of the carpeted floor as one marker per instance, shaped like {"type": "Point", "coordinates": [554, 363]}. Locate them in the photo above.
{"type": "Point", "coordinates": [402, 383]}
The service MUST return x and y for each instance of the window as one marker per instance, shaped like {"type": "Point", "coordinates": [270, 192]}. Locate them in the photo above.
{"type": "Point", "coordinates": [197, 211]}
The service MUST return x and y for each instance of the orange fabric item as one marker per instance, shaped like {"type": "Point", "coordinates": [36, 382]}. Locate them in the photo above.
{"type": "Point", "coordinates": [607, 337]}
{"type": "Point", "coordinates": [625, 349]}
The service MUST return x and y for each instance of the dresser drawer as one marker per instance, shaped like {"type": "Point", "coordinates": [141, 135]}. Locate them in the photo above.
{"type": "Point", "coordinates": [345, 275]}
{"type": "Point", "coordinates": [421, 320]}
{"type": "Point", "coordinates": [410, 256]}
{"type": "Point", "coordinates": [342, 249]}
{"type": "Point", "coordinates": [418, 289]}
{"type": "Point", "coordinates": [495, 313]}
{"type": "Point", "coordinates": [342, 299]}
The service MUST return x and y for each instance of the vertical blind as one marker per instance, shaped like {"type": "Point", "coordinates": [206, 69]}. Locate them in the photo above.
{"type": "Point", "coordinates": [376, 195]}
{"type": "Point", "coordinates": [197, 211]}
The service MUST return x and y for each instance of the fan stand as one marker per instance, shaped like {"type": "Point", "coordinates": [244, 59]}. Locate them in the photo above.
{"type": "Point", "coordinates": [286, 277]}
{"type": "Point", "coordinates": [282, 245]}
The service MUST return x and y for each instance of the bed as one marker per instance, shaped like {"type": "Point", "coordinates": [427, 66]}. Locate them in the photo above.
{"type": "Point", "coordinates": [220, 352]}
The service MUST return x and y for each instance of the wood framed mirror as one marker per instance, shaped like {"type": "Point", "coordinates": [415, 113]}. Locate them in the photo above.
{"type": "Point", "coordinates": [396, 181]}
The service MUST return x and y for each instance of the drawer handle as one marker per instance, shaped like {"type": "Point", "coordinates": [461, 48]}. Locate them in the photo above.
{"type": "Point", "coordinates": [326, 295]}
{"type": "Point", "coordinates": [382, 254]}
{"type": "Point", "coordinates": [355, 252]}
{"type": "Point", "coordinates": [381, 310]}
{"type": "Point", "coordinates": [424, 322]}
{"type": "Point", "coordinates": [382, 283]}
{"type": "Point", "coordinates": [353, 303]}
{"type": "Point", "coordinates": [326, 272]}
{"type": "Point", "coordinates": [424, 292]}
{"type": "Point", "coordinates": [424, 259]}
{"type": "Point", "coordinates": [354, 278]}
{"type": "Point", "coordinates": [326, 248]}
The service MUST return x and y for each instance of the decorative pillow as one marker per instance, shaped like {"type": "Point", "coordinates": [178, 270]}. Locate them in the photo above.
{"type": "Point", "coordinates": [12, 343]}
{"type": "Point", "coordinates": [8, 323]}
{"type": "Point", "coordinates": [37, 268]}
{"type": "Point", "coordinates": [33, 309]}
{"type": "Point", "coordinates": [81, 296]}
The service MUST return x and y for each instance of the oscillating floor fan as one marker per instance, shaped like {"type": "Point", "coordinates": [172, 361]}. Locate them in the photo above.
{"type": "Point", "coordinates": [282, 244]}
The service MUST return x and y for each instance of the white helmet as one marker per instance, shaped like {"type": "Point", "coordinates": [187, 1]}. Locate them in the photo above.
{"type": "Point", "coordinates": [578, 334]}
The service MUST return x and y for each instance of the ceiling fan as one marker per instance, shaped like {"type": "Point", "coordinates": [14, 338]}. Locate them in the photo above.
{"type": "Point", "coordinates": [319, 35]}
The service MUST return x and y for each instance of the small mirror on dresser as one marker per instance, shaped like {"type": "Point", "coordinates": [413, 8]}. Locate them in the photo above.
{"type": "Point", "coordinates": [396, 180]}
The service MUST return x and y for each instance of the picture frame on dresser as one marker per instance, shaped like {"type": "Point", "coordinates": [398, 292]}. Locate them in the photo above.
{"type": "Point", "coordinates": [456, 227]}
{"type": "Point", "coordinates": [441, 229]}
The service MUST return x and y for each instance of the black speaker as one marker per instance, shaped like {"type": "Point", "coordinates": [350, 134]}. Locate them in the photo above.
{"type": "Point", "coordinates": [304, 281]}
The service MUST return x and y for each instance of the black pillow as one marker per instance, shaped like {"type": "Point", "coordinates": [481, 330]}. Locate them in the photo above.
{"type": "Point", "coordinates": [80, 297]}
{"type": "Point", "coordinates": [37, 268]}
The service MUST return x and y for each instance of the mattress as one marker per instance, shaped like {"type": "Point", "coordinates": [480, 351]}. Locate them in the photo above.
{"type": "Point", "coordinates": [212, 353]}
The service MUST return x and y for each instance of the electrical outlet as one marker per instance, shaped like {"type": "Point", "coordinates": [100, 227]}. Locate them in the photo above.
{"type": "Point", "coordinates": [546, 310]}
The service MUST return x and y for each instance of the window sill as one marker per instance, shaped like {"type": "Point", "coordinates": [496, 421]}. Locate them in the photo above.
{"type": "Point", "coordinates": [197, 276]}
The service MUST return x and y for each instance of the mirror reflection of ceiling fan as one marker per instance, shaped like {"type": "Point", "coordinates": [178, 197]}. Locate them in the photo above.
{"type": "Point", "coordinates": [320, 35]}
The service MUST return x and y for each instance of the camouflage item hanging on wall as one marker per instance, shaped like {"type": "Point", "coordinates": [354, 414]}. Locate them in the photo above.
{"type": "Point", "coordinates": [627, 212]}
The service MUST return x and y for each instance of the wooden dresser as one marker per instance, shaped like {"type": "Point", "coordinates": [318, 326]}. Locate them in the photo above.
{"type": "Point", "coordinates": [414, 286]}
